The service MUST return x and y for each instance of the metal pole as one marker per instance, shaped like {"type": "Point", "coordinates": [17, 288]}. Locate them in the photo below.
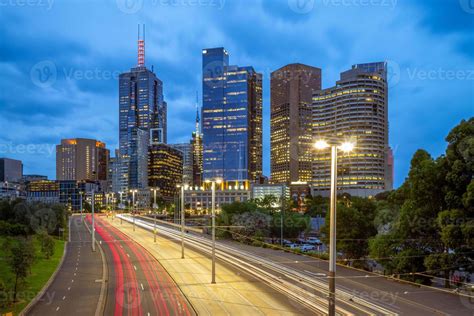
{"type": "Point", "coordinates": [154, 206]}
{"type": "Point", "coordinates": [93, 221]}
{"type": "Point", "coordinates": [213, 207]}
{"type": "Point", "coordinates": [80, 199]}
{"type": "Point", "coordinates": [281, 228]}
{"type": "Point", "coordinates": [332, 234]}
{"type": "Point", "coordinates": [133, 209]}
{"type": "Point", "coordinates": [182, 222]}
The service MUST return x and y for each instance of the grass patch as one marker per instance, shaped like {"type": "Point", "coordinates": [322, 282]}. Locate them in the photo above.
{"type": "Point", "coordinates": [41, 271]}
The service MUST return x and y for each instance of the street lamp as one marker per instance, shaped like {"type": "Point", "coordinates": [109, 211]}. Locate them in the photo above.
{"type": "Point", "coordinates": [93, 220]}
{"type": "Point", "coordinates": [182, 187]}
{"type": "Point", "coordinates": [155, 207]}
{"type": "Point", "coordinates": [121, 205]}
{"type": "Point", "coordinates": [81, 193]}
{"type": "Point", "coordinates": [133, 206]}
{"type": "Point", "coordinates": [345, 147]}
{"type": "Point", "coordinates": [213, 216]}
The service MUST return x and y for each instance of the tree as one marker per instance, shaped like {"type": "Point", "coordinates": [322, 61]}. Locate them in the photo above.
{"type": "Point", "coordinates": [47, 244]}
{"type": "Point", "coordinates": [355, 226]}
{"type": "Point", "coordinates": [20, 260]}
{"type": "Point", "coordinates": [250, 226]}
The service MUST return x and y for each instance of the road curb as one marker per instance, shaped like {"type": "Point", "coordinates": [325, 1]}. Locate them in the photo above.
{"type": "Point", "coordinates": [103, 288]}
{"type": "Point", "coordinates": [40, 294]}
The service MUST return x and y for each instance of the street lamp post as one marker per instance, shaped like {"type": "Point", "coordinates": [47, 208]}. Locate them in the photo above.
{"type": "Point", "coordinates": [213, 219]}
{"type": "Point", "coordinates": [80, 201]}
{"type": "Point", "coordinates": [133, 206]}
{"type": "Point", "coordinates": [182, 219]}
{"type": "Point", "coordinates": [155, 206]}
{"type": "Point", "coordinates": [93, 221]}
{"type": "Point", "coordinates": [346, 147]}
{"type": "Point", "coordinates": [121, 205]}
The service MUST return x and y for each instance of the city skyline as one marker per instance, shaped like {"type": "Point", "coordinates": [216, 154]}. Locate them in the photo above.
{"type": "Point", "coordinates": [76, 106]}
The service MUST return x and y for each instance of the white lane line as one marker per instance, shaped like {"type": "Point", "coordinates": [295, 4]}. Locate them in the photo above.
{"type": "Point", "coordinates": [69, 288]}
{"type": "Point", "coordinates": [148, 314]}
{"type": "Point", "coordinates": [72, 281]}
{"type": "Point", "coordinates": [141, 284]}
{"type": "Point", "coordinates": [64, 297]}
{"type": "Point", "coordinates": [135, 267]}
{"type": "Point", "coordinates": [121, 246]}
{"type": "Point", "coordinates": [128, 255]}
{"type": "Point", "coordinates": [74, 273]}
{"type": "Point", "coordinates": [76, 268]}
{"type": "Point", "coordinates": [57, 308]}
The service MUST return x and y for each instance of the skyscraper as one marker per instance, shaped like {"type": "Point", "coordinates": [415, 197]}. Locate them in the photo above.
{"type": "Point", "coordinates": [357, 109]}
{"type": "Point", "coordinates": [82, 159]}
{"type": "Point", "coordinates": [187, 153]}
{"type": "Point", "coordinates": [11, 170]}
{"type": "Point", "coordinates": [165, 169]}
{"type": "Point", "coordinates": [142, 119]}
{"type": "Point", "coordinates": [196, 144]}
{"type": "Point", "coordinates": [232, 119]}
{"type": "Point", "coordinates": [291, 141]}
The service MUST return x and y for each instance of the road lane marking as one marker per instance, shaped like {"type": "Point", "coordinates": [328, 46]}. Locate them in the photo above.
{"type": "Point", "coordinates": [72, 281]}
{"type": "Point", "coordinates": [69, 288]}
{"type": "Point", "coordinates": [57, 308]}
{"type": "Point", "coordinates": [74, 273]}
{"type": "Point", "coordinates": [135, 267]}
{"type": "Point", "coordinates": [64, 297]}
{"type": "Point", "coordinates": [141, 284]}
{"type": "Point", "coordinates": [128, 255]}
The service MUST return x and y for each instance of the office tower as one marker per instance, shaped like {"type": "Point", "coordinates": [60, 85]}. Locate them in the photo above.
{"type": "Point", "coordinates": [165, 169]}
{"type": "Point", "coordinates": [291, 143]}
{"type": "Point", "coordinates": [11, 170]}
{"type": "Point", "coordinates": [142, 119]}
{"type": "Point", "coordinates": [82, 159]}
{"type": "Point", "coordinates": [357, 109]}
{"type": "Point", "coordinates": [187, 152]}
{"type": "Point", "coordinates": [231, 119]}
{"type": "Point", "coordinates": [196, 144]}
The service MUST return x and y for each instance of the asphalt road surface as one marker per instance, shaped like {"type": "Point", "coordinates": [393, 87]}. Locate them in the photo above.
{"type": "Point", "coordinates": [76, 288]}
{"type": "Point", "coordinates": [137, 283]}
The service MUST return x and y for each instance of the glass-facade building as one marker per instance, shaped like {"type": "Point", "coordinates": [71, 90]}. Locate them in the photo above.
{"type": "Point", "coordinates": [142, 114]}
{"type": "Point", "coordinates": [231, 119]}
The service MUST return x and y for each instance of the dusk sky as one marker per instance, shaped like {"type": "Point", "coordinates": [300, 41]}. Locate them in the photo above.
{"type": "Point", "coordinates": [60, 61]}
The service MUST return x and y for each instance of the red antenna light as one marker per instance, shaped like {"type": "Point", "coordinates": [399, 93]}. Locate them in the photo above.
{"type": "Point", "coordinates": [141, 47]}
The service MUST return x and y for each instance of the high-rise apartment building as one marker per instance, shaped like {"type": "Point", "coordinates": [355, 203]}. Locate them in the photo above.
{"type": "Point", "coordinates": [11, 170]}
{"type": "Point", "coordinates": [82, 159]}
{"type": "Point", "coordinates": [142, 119]}
{"type": "Point", "coordinates": [232, 118]}
{"type": "Point", "coordinates": [356, 109]}
{"type": "Point", "coordinates": [291, 141]}
{"type": "Point", "coordinates": [165, 169]}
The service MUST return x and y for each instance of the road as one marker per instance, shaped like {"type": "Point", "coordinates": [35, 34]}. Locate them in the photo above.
{"type": "Point", "coordinates": [354, 288]}
{"type": "Point", "coordinates": [137, 283]}
{"type": "Point", "coordinates": [76, 288]}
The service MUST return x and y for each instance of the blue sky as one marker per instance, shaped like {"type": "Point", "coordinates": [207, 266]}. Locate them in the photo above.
{"type": "Point", "coordinates": [60, 60]}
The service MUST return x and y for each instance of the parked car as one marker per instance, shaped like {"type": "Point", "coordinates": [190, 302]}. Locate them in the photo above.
{"type": "Point", "coordinates": [307, 247]}
{"type": "Point", "coordinates": [314, 241]}
{"type": "Point", "coordinates": [292, 246]}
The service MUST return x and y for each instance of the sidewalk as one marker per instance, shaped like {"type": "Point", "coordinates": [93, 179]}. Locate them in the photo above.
{"type": "Point", "coordinates": [233, 294]}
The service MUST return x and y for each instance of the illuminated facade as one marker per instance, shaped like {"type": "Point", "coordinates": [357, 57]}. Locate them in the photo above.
{"type": "Point", "coordinates": [197, 148]}
{"type": "Point", "coordinates": [186, 150]}
{"type": "Point", "coordinates": [45, 191]}
{"type": "Point", "coordinates": [82, 159]}
{"type": "Point", "coordinates": [291, 140]}
{"type": "Point", "coordinates": [357, 109]}
{"type": "Point", "coordinates": [165, 169]}
{"type": "Point", "coordinates": [11, 170]}
{"type": "Point", "coordinates": [199, 198]}
{"type": "Point", "coordinates": [142, 119]}
{"type": "Point", "coordinates": [232, 119]}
